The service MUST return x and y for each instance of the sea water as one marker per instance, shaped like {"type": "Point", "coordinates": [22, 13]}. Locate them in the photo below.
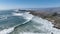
{"type": "Point", "coordinates": [18, 22]}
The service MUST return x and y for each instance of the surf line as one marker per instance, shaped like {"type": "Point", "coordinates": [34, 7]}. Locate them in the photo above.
{"type": "Point", "coordinates": [23, 23]}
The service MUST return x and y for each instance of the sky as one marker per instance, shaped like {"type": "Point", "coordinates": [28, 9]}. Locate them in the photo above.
{"type": "Point", "coordinates": [12, 4]}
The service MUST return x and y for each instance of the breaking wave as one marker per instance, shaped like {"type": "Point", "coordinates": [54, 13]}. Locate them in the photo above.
{"type": "Point", "coordinates": [7, 31]}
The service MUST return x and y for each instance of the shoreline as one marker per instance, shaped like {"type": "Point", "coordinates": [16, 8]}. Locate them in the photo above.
{"type": "Point", "coordinates": [53, 19]}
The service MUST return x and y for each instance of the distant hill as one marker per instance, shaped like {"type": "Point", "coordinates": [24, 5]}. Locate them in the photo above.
{"type": "Point", "coordinates": [54, 9]}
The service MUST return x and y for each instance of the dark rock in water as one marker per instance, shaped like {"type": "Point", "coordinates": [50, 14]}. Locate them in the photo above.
{"type": "Point", "coordinates": [52, 33]}
{"type": "Point", "coordinates": [56, 27]}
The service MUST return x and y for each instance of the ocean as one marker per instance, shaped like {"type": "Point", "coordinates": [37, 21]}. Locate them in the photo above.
{"type": "Point", "coordinates": [21, 22]}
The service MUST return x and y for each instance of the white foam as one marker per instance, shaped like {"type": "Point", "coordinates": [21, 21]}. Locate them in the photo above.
{"type": "Point", "coordinates": [28, 18]}
{"type": "Point", "coordinates": [46, 25]}
{"type": "Point", "coordinates": [17, 14]}
{"type": "Point", "coordinates": [32, 33]}
{"type": "Point", "coordinates": [26, 15]}
{"type": "Point", "coordinates": [3, 17]}
{"type": "Point", "coordinates": [7, 31]}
